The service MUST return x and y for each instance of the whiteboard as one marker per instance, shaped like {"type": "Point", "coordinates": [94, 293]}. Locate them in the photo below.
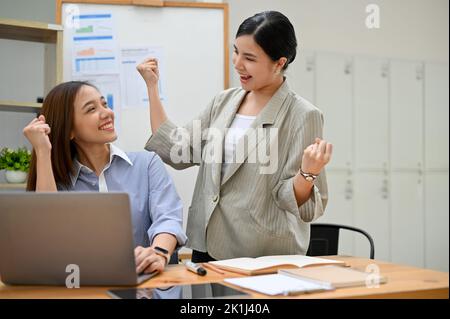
{"type": "Point", "coordinates": [194, 58]}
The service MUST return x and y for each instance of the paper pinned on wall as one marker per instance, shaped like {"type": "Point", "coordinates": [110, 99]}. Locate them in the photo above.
{"type": "Point", "coordinates": [134, 89]}
{"type": "Point", "coordinates": [94, 43]}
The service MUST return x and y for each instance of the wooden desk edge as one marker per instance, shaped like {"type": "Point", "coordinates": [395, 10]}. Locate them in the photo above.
{"type": "Point", "coordinates": [179, 275]}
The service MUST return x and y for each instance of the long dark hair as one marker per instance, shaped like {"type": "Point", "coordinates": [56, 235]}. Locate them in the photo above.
{"type": "Point", "coordinates": [274, 33]}
{"type": "Point", "coordinates": [58, 109]}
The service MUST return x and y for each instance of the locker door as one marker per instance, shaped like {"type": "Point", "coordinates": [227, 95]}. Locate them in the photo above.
{"type": "Point", "coordinates": [301, 75]}
{"type": "Point", "coordinates": [406, 103]}
{"type": "Point", "coordinates": [339, 208]}
{"type": "Point", "coordinates": [436, 221]}
{"type": "Point", "coordinates": [371, 100]}
{"type": "Point", "coordinates": [407, 218]}
{"type": "Point", "coordinates": [334, 98]}
{"type": "Point", "coordinates": [436, 116]}
{"type": "Point", "coordinates": [371, 213]}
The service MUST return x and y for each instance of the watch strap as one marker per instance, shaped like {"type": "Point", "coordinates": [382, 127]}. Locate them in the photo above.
{"type": "Point", "coordinates": [308, 176]}
{"type": "Point", "coordinates": [162, 252]}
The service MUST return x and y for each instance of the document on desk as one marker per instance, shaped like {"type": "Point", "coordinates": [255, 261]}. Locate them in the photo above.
{"type": "Point", "coordinates": [277, 284]}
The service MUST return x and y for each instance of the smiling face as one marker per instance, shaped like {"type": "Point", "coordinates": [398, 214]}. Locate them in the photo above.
{"type": "Point", "coordinates": [255, 68]}
{"type": "Point", "coordinates": [93, 121]}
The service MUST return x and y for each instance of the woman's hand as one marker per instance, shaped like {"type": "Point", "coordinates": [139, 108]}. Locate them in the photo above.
{"type": "Point", "coordinates": [149, 71]}
{"type": "Point", "coordinates": [148, 261]}
{"type": "Point", "coordinates": [316, 156]}
{"type": "Point", "coordinates": [37, 132]}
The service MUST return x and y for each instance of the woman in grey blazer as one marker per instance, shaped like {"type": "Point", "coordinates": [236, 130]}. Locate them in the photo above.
{"type": "Point", "coordinates": [245, 202]}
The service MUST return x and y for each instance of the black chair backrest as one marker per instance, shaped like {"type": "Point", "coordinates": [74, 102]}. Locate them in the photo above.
{"type": "Point", "coordinates": [324, 239]}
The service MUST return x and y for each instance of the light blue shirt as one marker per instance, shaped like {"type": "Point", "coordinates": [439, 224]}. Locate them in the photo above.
{"type": "Point", "coordinates": [155, 205]}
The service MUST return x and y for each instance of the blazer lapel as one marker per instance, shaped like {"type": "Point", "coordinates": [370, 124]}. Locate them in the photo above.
{"type": "Point", "coordinates": [222, 124]}
{"type": "Point", "coordinates": [266, 117]}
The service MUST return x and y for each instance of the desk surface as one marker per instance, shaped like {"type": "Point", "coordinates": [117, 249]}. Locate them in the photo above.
{"type": "Point", "coordinates": [403, 282]}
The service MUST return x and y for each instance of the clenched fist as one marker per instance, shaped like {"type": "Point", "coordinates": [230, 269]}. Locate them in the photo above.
{"type": "Point", "coordinates": [37, 132]}
{"type": "Point", "coordinates": [316, 156]}
{"type": "Point", "coordinates": [149, 71]}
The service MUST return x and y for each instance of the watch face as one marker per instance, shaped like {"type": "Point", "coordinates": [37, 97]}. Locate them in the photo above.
{"type": "Point", "coordinates": [309, 179]}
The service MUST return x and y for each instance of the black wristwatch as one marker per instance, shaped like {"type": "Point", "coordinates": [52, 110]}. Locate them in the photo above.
{"type": "Point", "coordinates": [309, 177]}
{"type": "Point", "coordinates": [162, 252]}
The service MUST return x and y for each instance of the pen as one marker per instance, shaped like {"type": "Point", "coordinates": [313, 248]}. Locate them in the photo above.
{"type": "Point", "coordinates": [199, 270]}
{"type": "Point", "coordinates": [214, 268]}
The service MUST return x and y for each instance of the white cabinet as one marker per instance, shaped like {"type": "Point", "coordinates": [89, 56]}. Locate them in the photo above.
{"type": "Point", "coordinates": [371, 213]}
{"type": "Point", "coordinates": [301, 75]}
{"type": "Point", "coordinates": [436, 167]}
{"type": "Point", "coordinates": [339, 209]}
{"type": "Point", "coordinates": [406, 115]}
{"type": "Point", "coordinates": [436, 116]}
{"type": "Point", "coordinates": [407, 162]}
{"type": "Point", "coordinates": [371, 100]}
{"type": "Point", "coordinates": [407, 230]}
{"type": "Point", "coordinates": [436, 221]}
{"type": "Point", "coordinates": [334, 98]}
{"type": "Point", "coordinates": [388, 121]}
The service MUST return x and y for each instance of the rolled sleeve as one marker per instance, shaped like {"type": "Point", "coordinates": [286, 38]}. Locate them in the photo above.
{"type": "Point", "coordinates": [309, 211]}
{"type": "Point", "coordinates": [283, 193]}
{"type": "Point", "coordinates": [166, 208]}
{"type": "Point", "coordinates": [162, 142]}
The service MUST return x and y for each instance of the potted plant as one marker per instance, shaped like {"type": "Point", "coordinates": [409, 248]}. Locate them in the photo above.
{"type": "Point", "coordinates": [16, 163]}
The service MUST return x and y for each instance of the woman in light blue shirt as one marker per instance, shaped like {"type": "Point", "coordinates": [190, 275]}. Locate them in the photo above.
{"type": "Point", "coordinates": [72, 151]}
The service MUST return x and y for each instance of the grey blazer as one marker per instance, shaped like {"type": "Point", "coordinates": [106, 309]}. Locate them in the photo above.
{"type": "Point", "coordinates": [246, 213]}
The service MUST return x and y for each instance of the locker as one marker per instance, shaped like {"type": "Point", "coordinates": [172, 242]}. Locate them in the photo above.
{"type": "Point", "coordinates": [371, 100]}
{"type": "Point", "coordinates": [371, 213]}
{"type": "Point", "coordinates": [436, 116]}
{"type": "Point", "coordinates": [339, 209]}
{"type": "Point", "coordinates": [406, 116]}
{"type": "Point", "coordinates": [407, 235]}
{"type": "Point", "coordinates": [334, 98]}
{"type": "Point", "coordinates": [301, 75]}
{"type": "Point", "coordinates": [436, 221]}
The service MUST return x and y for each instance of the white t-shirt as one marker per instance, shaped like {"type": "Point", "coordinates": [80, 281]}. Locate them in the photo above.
{"type": "Point", "coordinates": [237, 130]}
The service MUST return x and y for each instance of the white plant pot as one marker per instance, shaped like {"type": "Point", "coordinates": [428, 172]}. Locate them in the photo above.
{"type": "Point", "coordinates": [16, 177]}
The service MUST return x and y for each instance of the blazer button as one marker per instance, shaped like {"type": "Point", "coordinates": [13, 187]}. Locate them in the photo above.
{"type": "Point", "coordinates": [216, 198]}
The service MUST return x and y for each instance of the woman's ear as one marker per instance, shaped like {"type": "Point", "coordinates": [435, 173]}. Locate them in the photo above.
{"type": "Point", "coordinates": [281, 63]}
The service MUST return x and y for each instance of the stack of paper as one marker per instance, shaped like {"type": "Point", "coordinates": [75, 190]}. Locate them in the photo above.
{"type": "Point", "coordinates": [338, 277]}
{"type": "Point", "coordinates": [277, 284]}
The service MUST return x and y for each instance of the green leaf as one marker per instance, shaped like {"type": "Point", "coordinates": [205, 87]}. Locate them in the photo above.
{"type": "Point", "coordinates": [18, 159]}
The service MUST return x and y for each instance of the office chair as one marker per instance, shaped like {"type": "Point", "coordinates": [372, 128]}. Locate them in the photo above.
{"type": "Point", "coordinates": [324, 239]}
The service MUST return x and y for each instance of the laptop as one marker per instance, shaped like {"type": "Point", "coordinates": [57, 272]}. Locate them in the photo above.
{"type": "Point", "coordinates": [48, 238]}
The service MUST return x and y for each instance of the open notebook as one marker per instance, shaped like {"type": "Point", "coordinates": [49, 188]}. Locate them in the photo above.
{"type": "Point", "coordinates": [271, 264]}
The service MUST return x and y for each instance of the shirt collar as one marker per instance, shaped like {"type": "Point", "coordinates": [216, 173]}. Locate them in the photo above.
{"type": "Point", "coordinates": [113, 151]}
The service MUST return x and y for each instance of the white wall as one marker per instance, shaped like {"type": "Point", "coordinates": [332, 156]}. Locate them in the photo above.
{"type": "Point", "coordinates": [409, 29]}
